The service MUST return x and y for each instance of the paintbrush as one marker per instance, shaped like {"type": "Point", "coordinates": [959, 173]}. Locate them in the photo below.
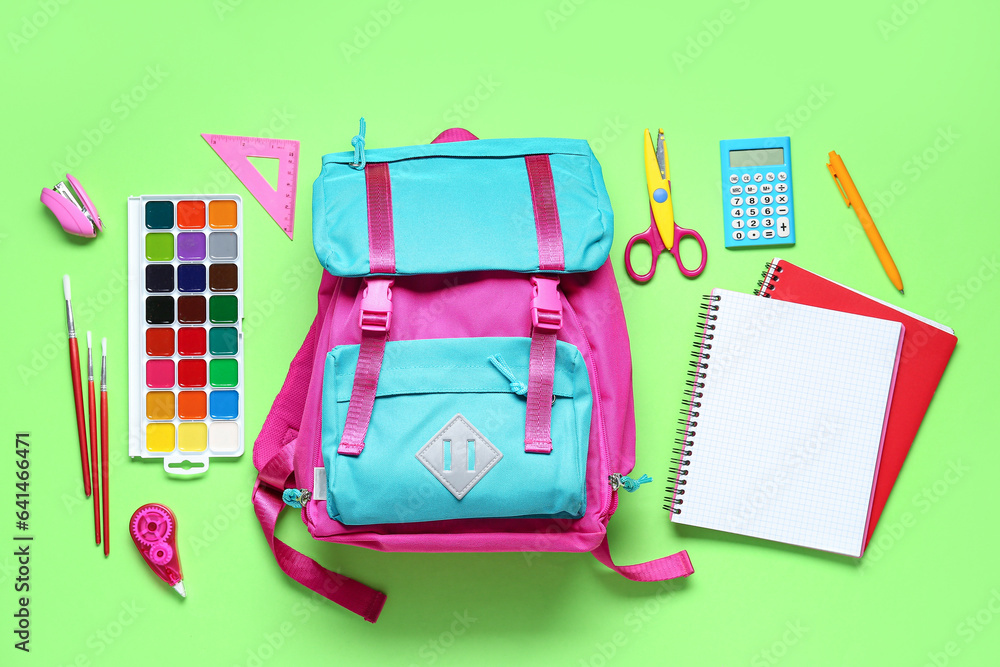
{"type": "Point", "coordinates": [104, 441]}
{"type": "Point", "coordinates": [92, 418]}
{"type": "Point", "coordinates": [74, 370]}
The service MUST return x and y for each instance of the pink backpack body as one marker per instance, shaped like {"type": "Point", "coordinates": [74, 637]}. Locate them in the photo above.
{"type": "Point", "coordinates": [381, 333]}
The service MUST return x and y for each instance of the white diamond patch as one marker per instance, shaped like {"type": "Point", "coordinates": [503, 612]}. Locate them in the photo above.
{"type": "Point", "coordinates": [459, 455]}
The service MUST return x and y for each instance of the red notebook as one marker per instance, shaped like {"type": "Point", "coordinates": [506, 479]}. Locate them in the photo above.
{"type": "Point", "coordinates": [927, 347]}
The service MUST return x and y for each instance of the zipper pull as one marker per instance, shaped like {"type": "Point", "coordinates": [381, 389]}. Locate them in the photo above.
{"type": "Point", "coordinates": [296, 497]}
{"type": "Point", "coordinates": [618, 481]}
{"type": "Point", "coordinates": [516, 385]}
{"type": "Point", "coordinates": [359, 147]}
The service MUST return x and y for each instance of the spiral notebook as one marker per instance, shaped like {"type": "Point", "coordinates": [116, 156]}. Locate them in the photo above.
{"type": "Point", "coordinates": [785, 417]}
{"type": "Point", "coordinates": [927, 348]}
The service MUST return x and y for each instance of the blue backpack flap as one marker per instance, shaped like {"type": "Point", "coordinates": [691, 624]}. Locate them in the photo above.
{"type": "Point", "coordinates": [463, 206]}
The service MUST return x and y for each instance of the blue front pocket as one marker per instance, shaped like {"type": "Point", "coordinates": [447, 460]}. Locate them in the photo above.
{"type": "Point", "coordinates": [446, 437]}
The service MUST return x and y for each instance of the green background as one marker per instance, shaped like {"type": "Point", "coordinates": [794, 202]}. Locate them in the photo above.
{"type": "Point", "coordinates": [118, 93]}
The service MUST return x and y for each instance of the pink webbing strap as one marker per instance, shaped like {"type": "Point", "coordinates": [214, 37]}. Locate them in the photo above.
{"type": "Point", "coordinates": [381, 242]}
{"type": "Point", "coordinates": [546, 306]}
{"type": "Point", "coordinates": [669, 567]}
{"type": "Point", "coordinates": [348, 593]}
{"type": "Point", "coordinates": [543, 199]}
{"type": "Point", "coordinates": [376, 309]}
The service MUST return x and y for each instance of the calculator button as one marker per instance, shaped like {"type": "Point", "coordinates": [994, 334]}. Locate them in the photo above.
{"type": "Point", "coordinates": [782, 176]}
{"type": "Point", "coordinates": [733, 178]}
{"type": "Point", "coordinates": [757, 178]}
{"type": "Point", "coordinates": [767, 210]}
{"type": "Point", "coordinates": [738, 235]}
{"type": "Point", "coordinates": [751, 211]}
{"type": "Point", "coordinates": [735, 190]}
{"type": "Point", "coordinates": [751, 201]}
{"type": "Point", "coordinates": [767, 187]}
{"type": "Point", "coordinates": [767, 222]}
{"type": "Point", "coordinates": [736, 201]}
{"type": "Point", "coordinates": [766, 199]}
{"type": "Point", "coordinates": [781, 187]}
{"type": "Point", "coordinates": [745, 178]}
{"type": "Point", "coordinates": [753, 222]}
{"type": "Point", "coordinates": [782, 210]}
{"type": "Point", "coordinates": [753, 235]}
{"type": "Point", "coordinates": [783, 228]}
{"type": "Point", "coordinates": [769, 176]}
{"type": "Point", "coordinates": [737, 213]}
{"type": "Point", "coordinates": [751, 189]}
{"type": "Point", "coordinates": [782, 199]}
{"type": "Point", "coordinates": [737, 224]}
{"type": "Point", "coordinates": [768, 233]}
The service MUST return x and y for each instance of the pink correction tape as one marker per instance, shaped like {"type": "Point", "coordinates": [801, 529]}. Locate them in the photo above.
{"type": "Point", "coordinates": [73, 208]}
{"type": "Point", "coordinates": [154, 531]}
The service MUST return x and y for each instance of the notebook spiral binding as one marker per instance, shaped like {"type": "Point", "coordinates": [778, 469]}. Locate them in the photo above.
{"type": "Point", "coordinates": [769, 279]}
{"type": "Point", "coordinates": [692, 403]}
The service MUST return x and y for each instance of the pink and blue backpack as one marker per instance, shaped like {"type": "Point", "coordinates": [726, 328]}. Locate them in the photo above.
{"type": "Point", "coordinates": [466, 384]}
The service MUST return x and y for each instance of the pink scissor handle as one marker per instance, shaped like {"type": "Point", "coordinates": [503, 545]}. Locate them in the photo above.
{"type": "Point", "coordinates": [650, 237]}
{"type": "Point", "coordinates": [679, 233]}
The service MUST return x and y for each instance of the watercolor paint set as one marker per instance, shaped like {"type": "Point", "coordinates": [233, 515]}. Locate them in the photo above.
{"type": "Point", "coordinates": [186, 372]}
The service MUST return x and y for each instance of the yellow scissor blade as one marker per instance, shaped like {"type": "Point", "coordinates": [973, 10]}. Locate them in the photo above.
{"type": "Point", "coordinates": [658, 188]}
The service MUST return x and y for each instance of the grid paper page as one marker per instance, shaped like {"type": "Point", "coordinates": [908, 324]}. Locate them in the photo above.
{"type": "Point", "coordinates": [789, 430]}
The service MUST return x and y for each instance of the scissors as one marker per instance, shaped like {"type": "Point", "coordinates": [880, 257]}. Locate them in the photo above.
{"type": "Point", "coordinates": [663, 233]}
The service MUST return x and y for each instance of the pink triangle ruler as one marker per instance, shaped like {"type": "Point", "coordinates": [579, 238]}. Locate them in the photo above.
{"type": "Point", "coordinates": [280, 202]}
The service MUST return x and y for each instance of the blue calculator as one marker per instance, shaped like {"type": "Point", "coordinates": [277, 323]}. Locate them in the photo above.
{"type": "Point", "coordinates": [757, 205]}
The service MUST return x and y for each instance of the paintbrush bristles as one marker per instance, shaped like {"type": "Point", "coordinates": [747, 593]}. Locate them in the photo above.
{"type": "Point", "coordinates": [70, 327]}
{"type": "Point", "coordinates": [90, 359]}
{"type": "Point", "coordinates": [104, 365]}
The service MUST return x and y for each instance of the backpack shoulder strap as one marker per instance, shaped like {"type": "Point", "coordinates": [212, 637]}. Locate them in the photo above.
{"type": "Point", "coordinates": [273, 454]}
{"type": "Point", "coordinates": [348, 593]}
{"type": "Point", "coordinates": [669, 567]}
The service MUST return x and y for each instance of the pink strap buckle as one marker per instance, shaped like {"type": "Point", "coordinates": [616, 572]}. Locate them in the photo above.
{"type": "Point", "coordinates": [546, 305]}
{"type": "Point", "coordinates": [376, 305]}
{"type": "Point", "coordinates": [374, 319]}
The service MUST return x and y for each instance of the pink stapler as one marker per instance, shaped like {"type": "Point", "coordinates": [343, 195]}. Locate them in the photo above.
{"type": "Point", "coordinates": [73, 208]}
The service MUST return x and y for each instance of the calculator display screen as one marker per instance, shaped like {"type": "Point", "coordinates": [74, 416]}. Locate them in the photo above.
{"type": "Point", "coordinates": [759, 157]}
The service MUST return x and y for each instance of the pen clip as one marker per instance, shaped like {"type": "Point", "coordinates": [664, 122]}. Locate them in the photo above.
{"type": "Point", "coordinates": [836, 179]}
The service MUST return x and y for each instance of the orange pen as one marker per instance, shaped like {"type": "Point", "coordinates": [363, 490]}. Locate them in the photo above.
{"type": "Point", "coordinates": [853, 199]}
